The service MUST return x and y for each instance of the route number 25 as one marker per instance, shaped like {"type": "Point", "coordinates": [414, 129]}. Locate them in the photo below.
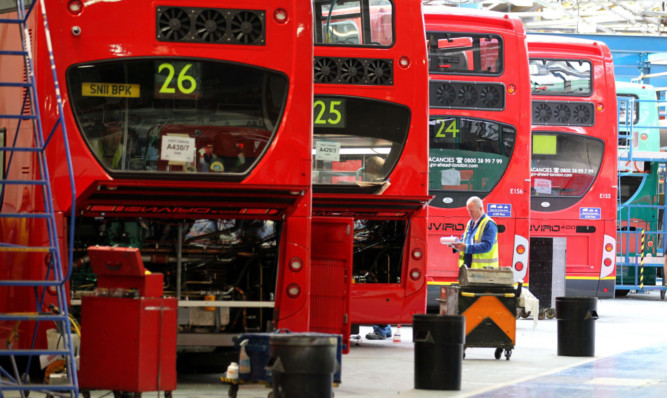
{"type": "Point", "coordinates": [329, 113]}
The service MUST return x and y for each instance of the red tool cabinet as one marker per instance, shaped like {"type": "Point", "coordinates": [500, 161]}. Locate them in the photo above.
{"type": "Point", "coordinates": [128, 343]}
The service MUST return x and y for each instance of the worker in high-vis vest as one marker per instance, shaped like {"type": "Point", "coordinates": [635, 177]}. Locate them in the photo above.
{"type": "Point", "coordinates": [479, 244]}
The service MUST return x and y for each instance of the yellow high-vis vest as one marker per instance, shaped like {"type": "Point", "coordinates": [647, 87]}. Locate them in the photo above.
{"type": "Point", "coordinates": [481, 260]}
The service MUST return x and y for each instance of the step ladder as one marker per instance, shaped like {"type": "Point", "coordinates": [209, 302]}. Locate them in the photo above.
{"type": "Point", "coordinates": [43, 302]}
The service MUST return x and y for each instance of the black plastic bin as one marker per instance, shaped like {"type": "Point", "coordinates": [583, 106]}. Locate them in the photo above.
{"type": "Point", "coordinates": [439, 341]}
{"type": "Point", "coordinates": [576, 325]}
{"type": "Point", "coordinates": [303, 365]}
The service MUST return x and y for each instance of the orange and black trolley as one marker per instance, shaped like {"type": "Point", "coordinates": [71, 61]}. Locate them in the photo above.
{"type": "Point", "coordinates": [487, 299]}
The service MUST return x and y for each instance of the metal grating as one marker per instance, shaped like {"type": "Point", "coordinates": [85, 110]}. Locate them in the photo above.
{"type": "Point", "coordinates": [376, 72]}
{"type": "Point", "coordinates": [210, 25]}
{"type": "Point", "coordinates": [466, 95]}
{"type": "Point", "coordinates": [557, 113]}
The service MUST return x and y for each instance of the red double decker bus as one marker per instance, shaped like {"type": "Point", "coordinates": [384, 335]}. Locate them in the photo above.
{"type": "Point", "coordinates": [190, 142]}
{"type": "Point", "coordinates": [574, 163]}
{"type": "Point", "coordinates": [479, 135]}
{"type": "Point", "coordinates": [370, 149]}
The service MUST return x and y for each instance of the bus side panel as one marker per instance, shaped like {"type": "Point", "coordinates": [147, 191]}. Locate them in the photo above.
{"type": "Point", "coordinates": [415, 268]}
{"type": "Point", "coordinates": [293, 312]}
{"type": "Point", "coordinates": [331, 276]}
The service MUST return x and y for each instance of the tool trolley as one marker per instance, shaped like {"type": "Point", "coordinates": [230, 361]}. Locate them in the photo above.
{"type": "Point", "coordinates": [488, 301]}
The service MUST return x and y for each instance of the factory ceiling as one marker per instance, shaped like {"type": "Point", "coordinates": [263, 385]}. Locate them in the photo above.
{"type": "Point", "coordinates": [579, 16]}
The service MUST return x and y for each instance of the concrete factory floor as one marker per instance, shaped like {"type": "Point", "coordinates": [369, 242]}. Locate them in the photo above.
{"type": "Point", "coordinates": [630, 359]}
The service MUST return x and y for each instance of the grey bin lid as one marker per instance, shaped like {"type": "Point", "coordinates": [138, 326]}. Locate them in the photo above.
{"type": "Point", "coordinates": [304, 339]}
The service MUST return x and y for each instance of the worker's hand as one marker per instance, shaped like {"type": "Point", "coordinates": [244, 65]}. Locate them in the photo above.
{"type": "Point", "coordinates": [460, 246]}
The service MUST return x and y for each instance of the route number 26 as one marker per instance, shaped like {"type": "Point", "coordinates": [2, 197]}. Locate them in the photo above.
{"type": "Point", "coordinates": [185, 83]}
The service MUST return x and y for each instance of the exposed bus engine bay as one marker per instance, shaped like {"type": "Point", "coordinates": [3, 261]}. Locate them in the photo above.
{"type": "Point", "coordinates": [223, 271]}
{"type": "Point", "coordinates": [219, 262]}
{"type": "Point", "coordinates": [378, 250]}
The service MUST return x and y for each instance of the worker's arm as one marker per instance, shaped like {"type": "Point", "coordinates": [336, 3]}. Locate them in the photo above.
{"type": "Point", "coordinates": [460, 246]}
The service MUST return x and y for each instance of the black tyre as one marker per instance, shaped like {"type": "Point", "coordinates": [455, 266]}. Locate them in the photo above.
{"type": "Point", "coordinates": [233, 390]}
{"type": "Point", "coordinates": [508, 354]}
{"type": "Point", "coordinates": [550, 313]}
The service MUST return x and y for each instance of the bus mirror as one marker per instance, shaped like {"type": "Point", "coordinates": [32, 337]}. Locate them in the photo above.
{"type": "Point", "coordinates": [457, 43]}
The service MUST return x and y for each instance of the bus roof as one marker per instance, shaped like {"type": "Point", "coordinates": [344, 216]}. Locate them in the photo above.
{"type": "Point", "coordinates": [641, 90]}
{"type": "Point", "coordinates": [451, 15]}
{"type": "Point", "coordinates": [572, 46]}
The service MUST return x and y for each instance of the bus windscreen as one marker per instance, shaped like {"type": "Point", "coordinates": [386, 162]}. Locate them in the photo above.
{"type": "Point", "coordinates": [176, 115]}
{"type": "Point", "coordinates": [630, 185]}
{"type": "Point", "coordinates": [468, 154]}
{"type": "Point", "coordinates": [564, 165]}
{"type": "Point", "coordinates": [356, 139]}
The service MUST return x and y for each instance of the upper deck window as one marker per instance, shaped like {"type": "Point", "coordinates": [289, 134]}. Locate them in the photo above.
{"type": "Point", "coordinates": [465, 53]}
{"type": "Point", "coordinates": [564, 165]}
{"type": "Point", "coordinates": [175, 115]}
{"type": "Point", "coordinates": [626, 101]}
{"type": "Point", "coordinates": [357, 141]}
{"type": "Point", "coordinates": [354, 22]}
{"type": "Point", "coordinates": [561, 77]}
{"type": "Point", "coordinates": [469, 155]}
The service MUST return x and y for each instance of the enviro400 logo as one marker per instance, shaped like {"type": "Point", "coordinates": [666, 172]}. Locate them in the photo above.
{"type": "Point", "coordinates": [551, 228]}
{"type": "Point", "coordinates": [442, 226]}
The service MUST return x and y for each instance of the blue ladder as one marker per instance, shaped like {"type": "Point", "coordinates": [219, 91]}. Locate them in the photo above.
{"type": "Point", "coordinates": [24, 139]}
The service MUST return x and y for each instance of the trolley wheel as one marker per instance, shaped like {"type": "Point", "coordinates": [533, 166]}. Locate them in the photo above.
{"type": "Point", "coordinates": [662, 295]}
{"type": "Point", "coordinates": [550, 313]}
{"type": "Point", "coordinates": [524, 314]}
{"type": "Point", "coordinates": [498, 353]}
{"type": "Point", "coordinates": [233, 390]}
{"type": "Point", "coordinates": [508, 354]}
{"type": "Point", "coordinates": [540, 315]}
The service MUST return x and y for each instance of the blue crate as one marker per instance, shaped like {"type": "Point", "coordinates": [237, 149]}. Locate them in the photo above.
{"type": "Point", "coordinates": [257, 349]}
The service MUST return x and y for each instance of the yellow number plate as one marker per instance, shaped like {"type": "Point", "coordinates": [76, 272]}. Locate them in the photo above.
{"type": "Point", "coordinates": [110, 90]}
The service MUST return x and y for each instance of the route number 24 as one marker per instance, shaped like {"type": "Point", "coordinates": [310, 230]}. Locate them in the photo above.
{"type": "Point", "coordinates": [447, 126]}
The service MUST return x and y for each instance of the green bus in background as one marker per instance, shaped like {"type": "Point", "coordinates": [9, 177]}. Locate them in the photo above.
{"type": "Point", "coordinates": [640, 206]}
